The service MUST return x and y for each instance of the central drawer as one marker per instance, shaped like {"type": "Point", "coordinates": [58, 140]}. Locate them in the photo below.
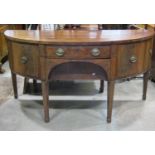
{"type": "Point", "coordinates": [77, 52]}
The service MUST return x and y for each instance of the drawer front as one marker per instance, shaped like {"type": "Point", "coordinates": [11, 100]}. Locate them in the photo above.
{"type": "Point", "coordinates": [133, 58]}
{"type": "Point", "coordinates": [77, 52]}
{"type": "Point", "coordinates": [75, 69]}
{"type": "Point", "coordinates": [25, 59]}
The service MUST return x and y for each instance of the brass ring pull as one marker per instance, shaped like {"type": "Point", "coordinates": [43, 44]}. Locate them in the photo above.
{"type": "Point", "coordinates": [59, 52]}
{"type": "Point", "coordinates": [95, 52]}
{"type": "Point", "coordinates": [24, 59]}
{"type": "Point", "coordinates": [133, 59]}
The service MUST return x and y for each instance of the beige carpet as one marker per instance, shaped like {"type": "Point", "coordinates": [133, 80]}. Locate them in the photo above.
{"type": "Point", "coordinates": [87, 112]}
{"type": "Point", "coordinates": [6, 90]}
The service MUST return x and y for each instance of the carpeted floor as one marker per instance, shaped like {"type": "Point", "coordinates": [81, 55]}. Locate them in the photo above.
{"type": "Point", "coordinates": [6, 91]}
{"type": "Point", "coordinates": [77, 106]}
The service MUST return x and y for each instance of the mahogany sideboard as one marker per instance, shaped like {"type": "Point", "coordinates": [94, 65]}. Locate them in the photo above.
{"type": "Point", "coordinates": [67, 55]}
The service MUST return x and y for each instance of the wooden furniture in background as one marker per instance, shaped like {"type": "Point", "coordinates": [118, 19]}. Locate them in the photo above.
{"type": "Point", "coordinates": [118, 26]}
{"type": "Point", "coordinates": [69, 55]}
{"type": "Point", "coordinates": [3, 47]}
{"type": "Point", "coordinates": [76, 26]}
{"type": "Point", "coordinates": [113, 26]}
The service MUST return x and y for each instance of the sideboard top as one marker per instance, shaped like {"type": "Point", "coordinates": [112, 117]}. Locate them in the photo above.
{"type": "Point", "coordinates": [78, 36]}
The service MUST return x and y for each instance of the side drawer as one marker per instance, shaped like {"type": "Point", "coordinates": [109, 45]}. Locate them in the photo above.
{"type": "Point", "coordinates": [25, 59]}
{"type": "Point", "coordinates": [133, 58]}
{"type": "Point", "coordinates": [77, 52]}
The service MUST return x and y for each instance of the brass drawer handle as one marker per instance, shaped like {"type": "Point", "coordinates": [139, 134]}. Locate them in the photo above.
{"type": "Point", "coordinates": [95, 52]}
{"type": "Point", "coordinates": [133, 59]}
{"type": "Point", "coordinates": [24, 59]}
{"type": "Point", "coordinates": [59, 52]}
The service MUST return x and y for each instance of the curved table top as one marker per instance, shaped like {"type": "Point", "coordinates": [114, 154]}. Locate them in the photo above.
{"type": "Point", "coordinates": [76, 37]}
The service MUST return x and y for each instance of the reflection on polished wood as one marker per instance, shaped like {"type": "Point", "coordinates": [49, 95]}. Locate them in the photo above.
{"type": "Point", "coordinates": [78, 36]}
{"type": "Point", "coordinates": [82, 54]}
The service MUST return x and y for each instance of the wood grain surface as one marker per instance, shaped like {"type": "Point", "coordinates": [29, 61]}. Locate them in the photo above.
{"type": "Point", "coordinates": [71, 37]}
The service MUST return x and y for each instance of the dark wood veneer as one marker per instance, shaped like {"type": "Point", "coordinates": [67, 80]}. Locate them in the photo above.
{"type": "Point", "coordinates": [67, 54]}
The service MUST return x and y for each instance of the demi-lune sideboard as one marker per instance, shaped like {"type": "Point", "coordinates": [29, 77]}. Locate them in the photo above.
{"type": "Point", "coordinates": [67, 55]}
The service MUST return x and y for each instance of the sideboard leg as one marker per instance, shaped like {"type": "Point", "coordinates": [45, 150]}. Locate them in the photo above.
{"type": "Point", "coordinates": [26, 85]}
{"type": "Point", "coordinates": [101, 90]}
{"type": "Point", "coordinates": [45, 94]}
{"type": "Point", "coordinates": [35, 86]}
{"type": "Point", "coordinates": [145, 83]}
{"type": "Point", "coordinates": [110, 99]}
{"type": "Point", "coordinates": [14, 83]}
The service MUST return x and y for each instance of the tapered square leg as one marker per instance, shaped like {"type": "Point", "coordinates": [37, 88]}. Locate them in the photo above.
{"type": "Point", "coordinates": [110, 92]}
{"type": "Point", "coordinates": [145, 83]}
{"type": "Point", "coordinates": [45, 93]}
{"type": "Point", "coordinates": [101, 90]}
{"type": "Point", "coordinates": [14, 83]}
{"type": "Point", "coordinates": [35, 86]}
{"type": "Point", "coordinates": [26, 85]}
